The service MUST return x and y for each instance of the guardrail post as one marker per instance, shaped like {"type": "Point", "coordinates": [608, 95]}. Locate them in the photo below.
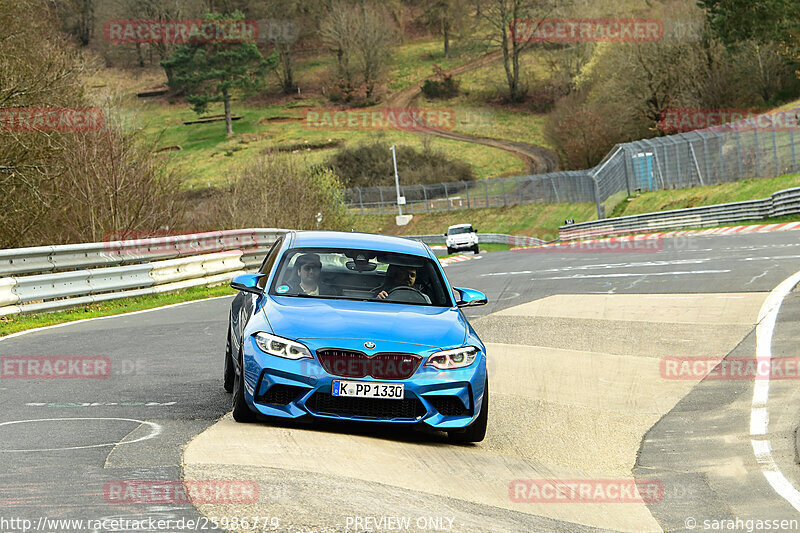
{"type": "Point", "coordinates": [360, 200]}
{"type": "Point", "coordinates": [739, 152]}
{"type": "Point", "coordinates": [425, 195]}
{"type": "Point", "coordinates": [597, 197]}
{"type": "Point", "coordinates": [447, 196]}
{"type": "Point", "coordinates": [774, 144]}
{"type": "Point", "coordinates": [628, 168]}
{"type": "Point", "coordinates": [705, 156]}
{"type": "Point", "coordinates": [466, 192]}
{"type": "Point", "coordinates": [758, 156]}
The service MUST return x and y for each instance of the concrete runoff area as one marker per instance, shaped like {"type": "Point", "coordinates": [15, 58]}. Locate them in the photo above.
{"type": "Point", "coordinates": [559, 410]}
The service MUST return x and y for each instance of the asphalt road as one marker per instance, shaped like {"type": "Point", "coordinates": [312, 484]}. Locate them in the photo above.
{"type": "Point", "coordinates": [65, 442]}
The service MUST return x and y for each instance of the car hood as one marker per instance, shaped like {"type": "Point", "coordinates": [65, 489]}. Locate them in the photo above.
{"type": "Point", "coordinates": [320, 318]}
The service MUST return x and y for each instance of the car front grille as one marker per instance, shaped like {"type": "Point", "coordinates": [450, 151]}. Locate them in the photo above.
{"type": "Point", "coordinates": [449, 405]}
{"type": "Point", "coordinates": [355, 364]}
{"type": "Point", "coordinates": [405, 409]}
{"type": "Point", "coordinates": [280, 395]}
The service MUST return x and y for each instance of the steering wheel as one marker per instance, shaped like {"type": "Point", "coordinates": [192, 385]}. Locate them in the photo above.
{"type": "Point", "coordinates": [404, 293]}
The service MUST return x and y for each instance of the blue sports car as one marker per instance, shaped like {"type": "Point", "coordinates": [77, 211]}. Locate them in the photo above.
{"type": "Point", "coordinates": [356, 326]}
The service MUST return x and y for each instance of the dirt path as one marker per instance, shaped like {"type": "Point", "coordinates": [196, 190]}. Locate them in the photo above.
{"type": "Point", "coordinates": [537, 159]}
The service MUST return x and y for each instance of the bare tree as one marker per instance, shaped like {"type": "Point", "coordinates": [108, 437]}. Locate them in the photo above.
{"type": "Point", "coordinates": [77, 18]}
{"type": "Point", "coordinates": [38, 68]}
{"type": "Point", "coordinates": [502, 16]}
{"type": "Point", "coordinates": [280, 191]}
{"type": "Point", "coordinates": [113, 185]}
{"type": "Point", "coordinates": [361, 36]}
{"type": "Point", "coordinates": [162, 10]}
{"type": "Point", "coordinates": [446, 18]}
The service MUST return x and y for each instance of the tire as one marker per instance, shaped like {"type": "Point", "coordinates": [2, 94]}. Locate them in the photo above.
{"type": "Point", "coordinates": [227, 381]}
{"type": "Point", "coordinates": [241, 412]}
{"type": "Point", "coordinates": [476, 431]}
{"type": "Point", "coordinates": [476, 249]}
{"type": "Point", "coordinates": [449, 250]}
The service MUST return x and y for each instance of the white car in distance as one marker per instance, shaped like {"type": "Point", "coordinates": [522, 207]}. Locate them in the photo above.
{"type": "Point", "coordinates": [461, 237]}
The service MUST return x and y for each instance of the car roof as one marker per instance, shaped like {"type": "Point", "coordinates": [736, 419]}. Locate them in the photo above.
{"type": "Point", "coordinates": [367, 241]}
{"type": "Point", "coordinates": [460, 226]}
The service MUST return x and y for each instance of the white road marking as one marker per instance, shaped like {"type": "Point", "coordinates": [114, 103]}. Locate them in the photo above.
{"type": "Point", "coordinates": [632, 274]}
{"type": "Point", "coordinates": [155, 430]}
{"type": "Point", "coordinates": [101, 404]}
{"type": "Point", "coordinates": [773, 258]}
{"type": "Point", "coordinates": [759, 415]}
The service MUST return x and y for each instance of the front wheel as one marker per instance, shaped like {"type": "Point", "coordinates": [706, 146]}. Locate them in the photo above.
{"type": "Point", "coordinates": [476, 249]}
{"type": "Point", "coordinates": [476, 431]}
{"type": "Point", "coordinates": [241, 412]}
{"type": "Point", "coordinates": [450, 250]}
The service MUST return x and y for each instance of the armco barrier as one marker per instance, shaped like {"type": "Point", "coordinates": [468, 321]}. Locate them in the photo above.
{"type": "Point", "coordinates": [41, 259]}
{"type": "Point", "coordinates": [490, 238]}
{"type": "Point", "coordinates": [49, 292]}
{"type": "Point", "coordinates": [786, 202]}
{"type": "Point", "coordinates": [142, 266]}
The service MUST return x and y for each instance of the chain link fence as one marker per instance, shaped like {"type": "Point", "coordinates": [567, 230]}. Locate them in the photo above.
{"type": "Point", "coordinates": [761, 146]}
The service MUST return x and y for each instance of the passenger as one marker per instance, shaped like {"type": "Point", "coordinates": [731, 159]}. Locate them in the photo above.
{"type": "Point", "coordinates": [308, 268]}
{"type": "Point", "coordinates": [399, 276]}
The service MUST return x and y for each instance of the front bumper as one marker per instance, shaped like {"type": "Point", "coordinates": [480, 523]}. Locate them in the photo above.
{"type": "Point", "coordinates": [280, 387]}
{"type": "Point", "coordinates": [462, 246]}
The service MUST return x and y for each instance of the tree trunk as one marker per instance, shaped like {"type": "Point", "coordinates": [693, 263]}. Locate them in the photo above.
{"type": "Point", "coordinates": [446, 32]}
{"type": "Point", "coordinates": [287, 66]}
{"type": "Point", "coordinates": [139, 55]}
{"type": "Point", "coordinates": [228, 120]}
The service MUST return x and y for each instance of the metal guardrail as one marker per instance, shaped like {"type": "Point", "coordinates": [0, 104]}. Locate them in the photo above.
{"type": "Point", "coordinates": [59, 277]}
{"type": "Point", "coordinates": [781, 203]}
{"type": "Point", "coordinates": [496, 238]}
{"type": "Point", "coordinates": [49, 278]}
{"type": "Point", "coordinates": [53, 291]}
{"type": "Point", "coordinates": [41, 259]}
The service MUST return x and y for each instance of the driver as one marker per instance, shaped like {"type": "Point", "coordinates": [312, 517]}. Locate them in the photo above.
{"type": "Point", "coordinates": [399, 276]}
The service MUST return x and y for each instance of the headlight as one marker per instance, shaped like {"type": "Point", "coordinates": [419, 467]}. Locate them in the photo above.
{"type": "Point", "coordinates": [281, 347]}
{"type": "Point", "coordinates": [450, 359]}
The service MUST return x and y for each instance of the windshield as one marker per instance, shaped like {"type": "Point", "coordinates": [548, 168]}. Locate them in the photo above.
{"type": "Point", "coordinates": [456, 231]}
{"type": "Point", "coordinates": [360, 275]}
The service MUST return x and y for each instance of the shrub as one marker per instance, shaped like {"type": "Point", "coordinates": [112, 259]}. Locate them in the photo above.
{"type": "Point", "coordinates": [279, 191]}
{"type": "Point", "coordinates": [370, 165]}
{"type": "Point", "coordinates": [444, 89]}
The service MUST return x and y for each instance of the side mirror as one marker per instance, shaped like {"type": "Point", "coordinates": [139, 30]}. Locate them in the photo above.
{"type": "Point", "coordinates": [445, 234]}
{"type": "Point", "coordinates": [247, 283]}
{"type": "Point", "coordinates": [470, 297]}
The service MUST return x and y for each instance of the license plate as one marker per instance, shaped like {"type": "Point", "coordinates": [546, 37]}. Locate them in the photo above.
{"type": "Point", "coordinates": [368, 389]}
